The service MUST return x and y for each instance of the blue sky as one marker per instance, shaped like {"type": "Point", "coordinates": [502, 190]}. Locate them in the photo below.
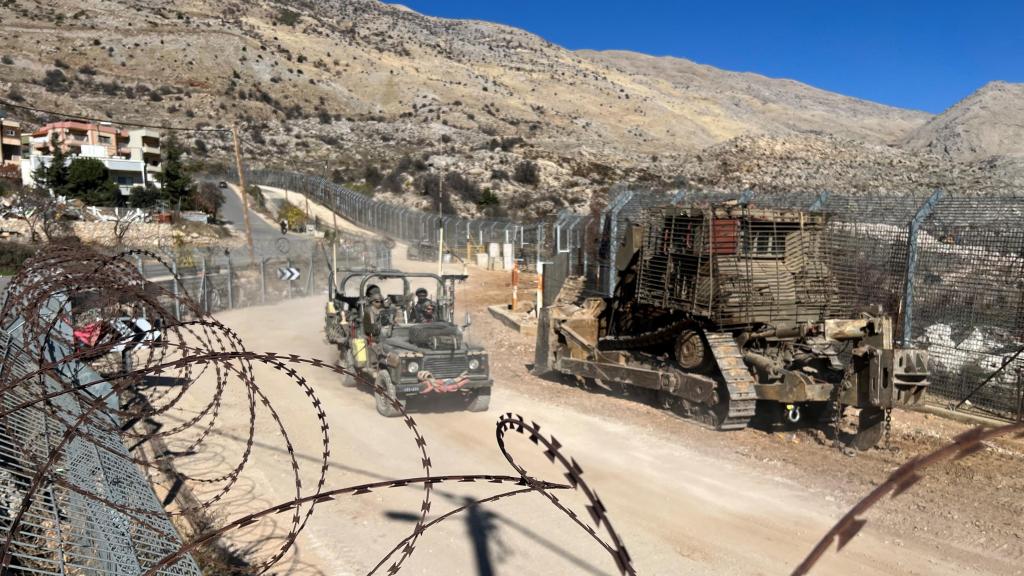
{"type": "Point", "coordinates": [907, 53]}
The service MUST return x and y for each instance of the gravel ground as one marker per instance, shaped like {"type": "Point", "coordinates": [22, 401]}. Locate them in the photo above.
{"type": "Point", "coordinates": [684, 499]}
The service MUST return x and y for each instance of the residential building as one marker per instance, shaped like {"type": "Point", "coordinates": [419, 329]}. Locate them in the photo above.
{"type": "Point", "coordinates": [126, 173]}
{"type": "Point", "coordinates": [10, 141]}
{"type": "Point", "coordinates": [144, 146]}
{"type": "Point", "coordinates": [132, 156]}
{"type": "Point", "coordinates": [72, 135]}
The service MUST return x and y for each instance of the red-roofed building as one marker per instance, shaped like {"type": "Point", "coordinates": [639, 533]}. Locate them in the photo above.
{"type": "Point", "coordinates": [73, 135]}
{"type": "Point", "coordinates": [132, 156]}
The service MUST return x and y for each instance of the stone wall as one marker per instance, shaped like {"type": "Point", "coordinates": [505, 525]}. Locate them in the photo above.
{"type": "Point", "coordinates": [140, 235]}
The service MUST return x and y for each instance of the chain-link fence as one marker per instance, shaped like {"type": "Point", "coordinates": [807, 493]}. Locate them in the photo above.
{"type": "Point", "coordinates": [948, 269]}
{"type": "Point", "coordinates": [90, 510]}
{"type": "Point", "coordinates": [461, 236]}
{"type": "Point", "coordinates": [217, 279]}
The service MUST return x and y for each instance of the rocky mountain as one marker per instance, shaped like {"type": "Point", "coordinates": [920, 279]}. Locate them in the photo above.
{"type": "Point", "coordinates": [988, 123]}
{"type": "Point", "coordinates": [773, 164]}
{"type": "Point", "coordinates": [390, 101]}
{"type": "Point", "coordinates": [728, 104]}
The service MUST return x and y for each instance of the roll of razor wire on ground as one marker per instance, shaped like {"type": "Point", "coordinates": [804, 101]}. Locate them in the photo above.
{"type": "Point", "coordinates": [60, 316]}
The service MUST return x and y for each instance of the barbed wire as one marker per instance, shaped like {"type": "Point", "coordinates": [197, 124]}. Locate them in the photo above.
{"type": "Point", "coordinates": [102, 288]}
{"type": "Point", "coordinates": [902, 479]}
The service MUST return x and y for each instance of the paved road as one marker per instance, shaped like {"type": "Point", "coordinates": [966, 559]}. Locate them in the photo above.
{"type": "Point", "coordinates": [231, 212]}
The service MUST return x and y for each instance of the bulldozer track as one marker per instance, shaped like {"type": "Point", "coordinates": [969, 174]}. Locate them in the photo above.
{"type": "Point", "coordinates": [644, 340]}
{"type": "Point", "coordinates": [741, 402]}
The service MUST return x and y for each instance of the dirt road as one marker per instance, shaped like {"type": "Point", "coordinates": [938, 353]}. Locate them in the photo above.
{"type": "Point", "coordinates": [685, 500]}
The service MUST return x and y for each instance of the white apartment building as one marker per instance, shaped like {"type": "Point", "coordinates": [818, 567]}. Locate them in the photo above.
{"type": "Point", "coordinates": [132, 157]}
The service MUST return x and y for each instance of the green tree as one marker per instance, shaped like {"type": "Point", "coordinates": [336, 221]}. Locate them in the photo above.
{"type": "Point", "coordinates": [145, 197]}
{"type": "Point", "coordinates": [176, 179]}
{"type": "Point", "coordinates": [89, 180]}
{"type": "Point", "coordinates": [208, 198]}
{"type": "Point", "coordinates": [53, 176]}
{"type": "Point", "coordinates": [258, 201]}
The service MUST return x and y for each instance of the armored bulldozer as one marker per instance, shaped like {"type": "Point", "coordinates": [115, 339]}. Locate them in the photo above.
{"type": "Point", "coordinates": [398, 346]}
{"type": "Point", "coordinates": [727, 311]}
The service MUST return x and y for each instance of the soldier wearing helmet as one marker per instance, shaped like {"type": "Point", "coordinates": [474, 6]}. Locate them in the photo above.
{"type": "Point", "coordinates": [423, 308]}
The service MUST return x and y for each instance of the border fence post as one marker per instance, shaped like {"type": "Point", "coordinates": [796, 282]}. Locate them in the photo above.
{"type": "Point", "coordinates": [231, 276]}
{"type": "Point", "coordinates": [177, 302]}
{"type": "Point", "coordinates": [263, 281]}
{"type": "Point", "coordinates": [204, 290]}
{"type": "Point", "coordinates": [613, 242]}
{"type": "Point", "coordinates": [289, 265]}
{"type": "Point", "coordinates": [908, 282]}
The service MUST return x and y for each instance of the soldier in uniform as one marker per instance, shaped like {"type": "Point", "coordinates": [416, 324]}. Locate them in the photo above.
{"type": "Point", "coordinates": [419, 307]}
{"type": "Point", "coordinates": [376, 314]}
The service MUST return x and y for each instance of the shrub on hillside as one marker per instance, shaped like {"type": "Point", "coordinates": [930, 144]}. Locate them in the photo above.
{"type": "Point", "coordinates": [488, 198]}
{"type": "Point", "coordinates": [287, 17]}
{"type": "Point", "coordinates": [373, 175]}
{"type": "Point", "coordinates": [455, 182]}
{"type": "Point", "coordinates": [294, 215]}
{"type": "Point", "coordinates": [257, 200]}
{"type": "Point", "coordinates": [208, 198]}
{"type": "Point", "coordinates": [145, 197]}
{"type": "Point", "coordinates": [55, 81]}
{"type": "Point", "coordinates": [527, 172]}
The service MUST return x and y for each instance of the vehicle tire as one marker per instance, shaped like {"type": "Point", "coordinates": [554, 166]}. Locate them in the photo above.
{"type": "Point", "coordinates": [479, 400]}
{"type": "Point", "coordinates": [384, 406]}
{"type": "Point", "coordinates": [349, 363]}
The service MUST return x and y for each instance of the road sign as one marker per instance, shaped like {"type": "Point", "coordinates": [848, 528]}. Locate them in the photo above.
{"type": "Point", "coordinates": [134, 331]}
{"type": "Point", "coordinates": [288, 273]}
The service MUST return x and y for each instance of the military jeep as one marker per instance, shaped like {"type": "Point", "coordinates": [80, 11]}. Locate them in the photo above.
{"type": "Point", "coordinates": [405, 356]}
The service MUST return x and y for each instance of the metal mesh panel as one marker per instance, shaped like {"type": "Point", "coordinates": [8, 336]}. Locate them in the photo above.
{"type": "Point", "coordinates": [968, 305]}
{"type": "Point", "coordinates": [391, 220]}
{"type": "Point", "coordinates": [94, 511]}
{"type": "Point", "coordinates": [738, 265]}
{"type": "Point", "coordinates": [948, 269]}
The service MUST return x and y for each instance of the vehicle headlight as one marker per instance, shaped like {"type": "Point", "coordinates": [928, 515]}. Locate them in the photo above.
{"type": "Point", "coordinates": [412, 367]}
{"type": "Point", "coordinates": [474, 364]}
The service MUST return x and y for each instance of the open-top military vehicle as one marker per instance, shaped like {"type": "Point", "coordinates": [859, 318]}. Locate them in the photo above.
{"type": "Point", "coordinates": [392, 345]}
{"type": "Point", "coordinates": [728, 310]}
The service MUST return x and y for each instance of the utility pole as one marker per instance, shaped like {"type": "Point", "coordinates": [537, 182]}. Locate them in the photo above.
{"type": "Point", "coordinates": [245, 194]}
{"type": "Point", "coordinates": [334, 241]}
{"type": "Point", "coordinates": [334, 214]}
{"type": "Point", "coordinates": [440, 225]}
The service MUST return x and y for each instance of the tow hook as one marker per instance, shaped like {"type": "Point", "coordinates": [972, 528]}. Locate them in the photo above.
{"type": "Point", "coordinates": [792, 413]}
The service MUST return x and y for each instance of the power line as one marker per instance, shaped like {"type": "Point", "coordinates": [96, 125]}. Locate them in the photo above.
{"type": "Point", "coordinates": [4, 102]}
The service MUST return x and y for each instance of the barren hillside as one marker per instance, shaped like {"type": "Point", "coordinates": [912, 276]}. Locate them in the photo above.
{"type": "Point", "coordinates": [386, 99]}
{"type": "Point", "coordinates": [989, 122]}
